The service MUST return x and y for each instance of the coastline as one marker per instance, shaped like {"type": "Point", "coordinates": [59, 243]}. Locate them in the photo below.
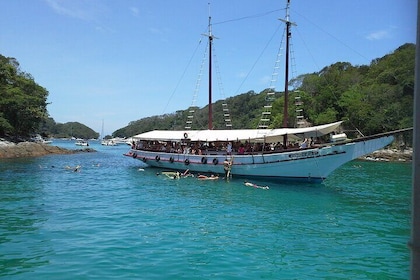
{"type": "Point", "coordinates": [10, 150]}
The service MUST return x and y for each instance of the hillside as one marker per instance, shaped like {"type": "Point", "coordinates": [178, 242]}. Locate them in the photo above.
{"type": "Point", "coordinates": [372, 98]}
{"type": "Point", "coordinates": [67, 130]}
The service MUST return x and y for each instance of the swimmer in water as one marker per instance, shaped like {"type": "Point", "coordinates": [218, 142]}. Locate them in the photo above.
{"type": "Point", "coordinates": [248, 184]}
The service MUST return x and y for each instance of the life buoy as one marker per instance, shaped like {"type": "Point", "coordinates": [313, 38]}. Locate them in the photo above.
{"type": "Point", "coordinates": [187, 161]}
{"type": "Point", "coordinates": [215, 161]}
{"type": "Point", "coordinates": [204, 160]}
{"type": "Point", "coordinates": [171, 159]}
{"type": "Point", "coordinates": [185, 135]}
{"type": "Point", "coordinates": [144, 159]}
{"type": "Point", "coordinates": [157, 158]}
{"type": "Point", "coordinates": [134, 155]}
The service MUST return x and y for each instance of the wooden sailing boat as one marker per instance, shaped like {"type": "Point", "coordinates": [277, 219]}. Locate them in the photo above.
{"type": "Point", "coordinates": [266, 152]}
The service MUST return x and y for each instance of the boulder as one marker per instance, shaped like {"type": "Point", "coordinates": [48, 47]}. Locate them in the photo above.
{"type": "Point", "coordinates": [31, 149]}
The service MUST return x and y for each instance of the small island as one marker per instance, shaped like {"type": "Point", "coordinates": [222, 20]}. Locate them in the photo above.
{"type": "Point", "coordinates": [10, 150]}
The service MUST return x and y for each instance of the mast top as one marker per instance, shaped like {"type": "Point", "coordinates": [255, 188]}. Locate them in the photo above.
{"type": "Point", "coordinates": [287, 19]}
{"type": "Point", "coordinates": [210, 34]}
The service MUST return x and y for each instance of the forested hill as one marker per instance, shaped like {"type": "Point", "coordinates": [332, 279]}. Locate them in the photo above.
{"type": "Point", "coordinates": [372, 98]}
{"type": "Point", "coordinates": [23, 107]}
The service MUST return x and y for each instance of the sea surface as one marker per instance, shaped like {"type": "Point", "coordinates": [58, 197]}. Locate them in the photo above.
{"type": "Point", "coordinates": [116, 219]}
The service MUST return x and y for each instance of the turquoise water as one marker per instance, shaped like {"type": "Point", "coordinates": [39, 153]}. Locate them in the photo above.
{"type": "Point", "coordinates": [112, 220]}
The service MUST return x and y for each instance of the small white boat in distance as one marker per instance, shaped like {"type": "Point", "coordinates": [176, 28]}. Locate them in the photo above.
{"type": "Point", "coordinates": [108, 142]}
{"type": "Point", "coordinates": [81, 142]}
{"type": "Point", "coordinates": [39, 139]}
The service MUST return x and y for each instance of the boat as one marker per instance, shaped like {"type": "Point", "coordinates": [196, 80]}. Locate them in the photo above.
{"type": "Point", "coordinates": [108, 142]}
{"type": "Point", "coordinates": [39, 139]}
{"type": "Point", "coordinates": [81, 142]}
{"type": "Point", "coordinates": [261, 153]}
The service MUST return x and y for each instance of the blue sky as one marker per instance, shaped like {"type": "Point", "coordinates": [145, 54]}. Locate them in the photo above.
{"type": "Point", "coordinates": [122, 60]}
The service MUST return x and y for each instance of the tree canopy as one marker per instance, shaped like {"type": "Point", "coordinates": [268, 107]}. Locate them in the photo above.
{"type": "Point", "coordinates": [67, 130]}
{"type": "Point", "coordinates": [23, 103]}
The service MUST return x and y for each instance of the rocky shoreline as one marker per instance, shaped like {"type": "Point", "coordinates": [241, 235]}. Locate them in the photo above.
{"type": "Point", "coordinates": [31, 149]}
{"type": "Point", "coordinates": [393, 155]}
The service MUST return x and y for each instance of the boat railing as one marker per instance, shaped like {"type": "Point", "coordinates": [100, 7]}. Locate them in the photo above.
{"type": "Point", "coordinates": [236, 152]}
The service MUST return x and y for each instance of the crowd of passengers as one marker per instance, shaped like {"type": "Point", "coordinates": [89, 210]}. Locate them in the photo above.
{"type": "Point", "coordinates": [204, 148]}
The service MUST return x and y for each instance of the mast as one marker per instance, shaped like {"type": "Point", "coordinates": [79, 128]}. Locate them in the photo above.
{"type": "Point", "coordinates": [210, 77]}
{"type": "Point", "coordinates": [102, 130]}
{"type": "Point", "coordinates": [414, 242]}
{"type": "Point", "coordinates": [286, 75]}
{"type": "Point", "coordinates": [211, 37]}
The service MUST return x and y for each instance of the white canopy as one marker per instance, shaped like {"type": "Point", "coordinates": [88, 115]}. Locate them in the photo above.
{"type": "Point", "coordinates": [253, 135]}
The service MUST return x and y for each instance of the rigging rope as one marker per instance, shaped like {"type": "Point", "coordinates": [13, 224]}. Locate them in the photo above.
{"type": "Point", "coordinates": [182, 76]}
{"type": "Point", "coordinates": [258, 58]}
{"type": "Point", "coordinates": [248, 17]}
{"type": "Point", "coordinates": [191, 109]}
{"type": "Point", "coordinates": [323, 77]}
{"type": "Point", "coordinates": [226, 113]}
{"type": "Point", "coordinates": [266, 114]}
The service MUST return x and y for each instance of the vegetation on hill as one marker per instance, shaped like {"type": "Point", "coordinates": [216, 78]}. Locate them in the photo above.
{"type": "Point", "coordinates": [372, 99]}
{"type": "Point", "coordinates": [68, 130]}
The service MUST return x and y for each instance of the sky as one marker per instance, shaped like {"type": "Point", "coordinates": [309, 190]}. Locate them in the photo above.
{"type": "Point", "coordinates": [106, 63]}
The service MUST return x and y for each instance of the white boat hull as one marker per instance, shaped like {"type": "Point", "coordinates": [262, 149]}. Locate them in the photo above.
{"type": "Point", "coordinates": [311, 165]}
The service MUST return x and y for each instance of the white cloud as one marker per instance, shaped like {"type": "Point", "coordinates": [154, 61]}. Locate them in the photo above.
{"type": "Point", "coordinates": [265, 80]}
{"type": "Point", "coordinates": [241, 75]}
{"type": "Point", "coordinates": [381, 34]}
{"type": "Point", "coordinates": [378, 35]}
{"type": "Point", "coordinates": [85, 10]}
{"type": "Point", "coordinates": [68, 8]}
{"type": "Point", "coordinates": [134, 11]}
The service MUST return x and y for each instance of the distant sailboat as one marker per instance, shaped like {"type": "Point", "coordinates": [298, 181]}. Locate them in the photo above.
{"type": "Point", "coordinates": [106, 142]}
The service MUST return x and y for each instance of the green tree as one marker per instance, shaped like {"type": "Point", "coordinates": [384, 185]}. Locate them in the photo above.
{"type": "Point", "coordinates": [23, 103]}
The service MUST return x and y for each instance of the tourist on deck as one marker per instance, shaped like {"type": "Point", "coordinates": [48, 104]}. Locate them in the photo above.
{"type": "Point", "coordinates": [229, 148]}
{"type": "Point", "coordinates": [241, 149]}
{"type": "Point", "coordinates": [304, 144]}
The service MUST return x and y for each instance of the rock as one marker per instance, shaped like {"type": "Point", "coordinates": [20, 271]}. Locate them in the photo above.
{"type": "Point", "coordinates": [31, 149]}
{"type": "Point", "coordinates": [390, 155]}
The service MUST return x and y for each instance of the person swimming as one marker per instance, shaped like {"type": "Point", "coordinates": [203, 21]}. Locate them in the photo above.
{"type": "Point", "coordinates": [204, 177]}
{"type": "Point", "coordinates": [249, 184]}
